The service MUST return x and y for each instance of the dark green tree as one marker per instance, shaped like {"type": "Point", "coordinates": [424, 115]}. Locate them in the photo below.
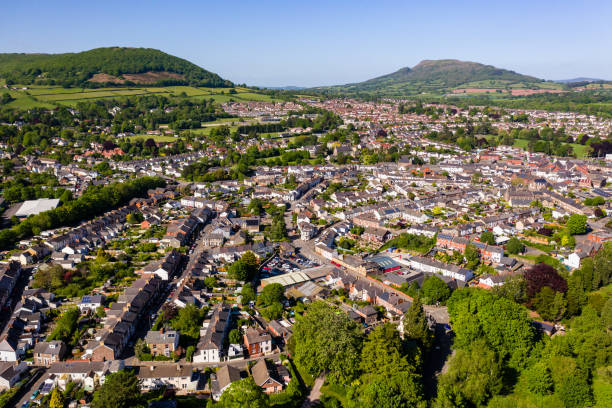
{"type": "Point", "coordinates": [120, 390]}
{"type": "Point", "coordinates": [416, 327]}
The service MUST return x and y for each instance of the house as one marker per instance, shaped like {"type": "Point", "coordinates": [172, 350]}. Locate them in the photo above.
{"type": "Point", "coordinates": [162, 342]}
{"type": "Point", "coordinates": [368, 314]}
{"type": "Point", "coordinates": [88, 374]}
{"type": "Point", "coordinates": [179, 377]}
{"type": "Point", "coordinates": [49, 352]}
{"type": "Point", "coordinates": [226, 375]}
{"type": "Point", "coordinates": [213, 334]}
{"type": "Point", "coordinates": [378, 235]}
{"type": "Point", "coordinates": [263, 375]}
{"type": "Point", "coordinates": [11, 373]}
{"type": "Point", "coordinates": [257, 342]}
{"type": "Point", "coordinates": [307, 231]}
{"type": "Point", "coordinates": [91, 303]}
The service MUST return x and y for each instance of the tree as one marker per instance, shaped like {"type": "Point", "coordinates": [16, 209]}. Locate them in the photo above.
{"type": "Point", "coordinates": [435, 290]}
{"type": "Point", "coordinates": [278, 230]}
{"type": "Point", "coordinates": [416, 327]}
{"type": "Point", "coordinates": [273, 311]}
{"type": "Point", "coordinates": [188, 321]}
{"type": "Point", "coordinates": [515, 289]}
{"type": "Point", "coordinates": [606, 314]}
{"type": "Point", "coordinates": [537, 379]}
{"type": "Point", "coordinates": [487, 237]}
{"type": "Point", "coordinates": [57, 399]}
{"type": "Point", "coordinates": [134, 218]}
{"type": "Point", "coordinates": [602, 266]}
{"type": "Point", "coordinates": [270, 294]}
{"type": "Point", "coordinates": [120, 390]}
{"type": "Point", "coordinates": [238, 271]}
{"type": "Point", "coordinates": [549, 304]}
{"type": "Point", "coordinates": [475, 314]}
{"type": "Point", "coordinates": [235, 337]}
{"type": "Point", "coordinates": [472, 256]}
{"type": "Point", "coordinates": [141, 348]}
{"type": "Point", "coordinates": [250, 260]}
{"type": "Point", "coordinates": [210, 282]}
{"type": "Point", "coordinates": [323, 328]}
{"type": "Point", "coordinates": [396, 389]}
{"type": "Point", "coordinates": [541, 275]}
{"type": "Point", "coordinates": [515, 246]}
{"type": "Point", "coordinates": [247, 294]}
{"type": "Point", "coordinates": [576, 224]}
{"type": "Point", "coordinates": [244, 394]}
{"type": "Point", "coordinates": [390, 376]}
{"type": "Point", "coordinates": [474, 376]}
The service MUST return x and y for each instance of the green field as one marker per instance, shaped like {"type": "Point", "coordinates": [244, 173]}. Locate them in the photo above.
{"type": "Point", "coordinates": [579, 149]}
{"type": "Point", "coordinates": [52, 96]}
{"type": "Point", "coordinates": [157, 138]}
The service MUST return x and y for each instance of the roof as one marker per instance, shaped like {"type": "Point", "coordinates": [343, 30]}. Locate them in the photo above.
{"type": "Point", "coordinates": [227, 375]}
{"type": "Point", "coordinates": [261, 373]}
{"type": "Point", "coordinates": [165, 371]}
{"type": "Point", "coordinates": [384, 262]}
{"type": "Point", "coordinates": [33, 207]}
{"type": "Point", "coordinates": [161, 337]}
{"type": "Point", "coordinates": [52, 347]}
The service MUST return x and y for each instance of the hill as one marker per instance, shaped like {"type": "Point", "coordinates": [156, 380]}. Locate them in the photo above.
{"type": "Point", "coordinates": [437, 76]}
{"type": "Point", "coordinates": [99, 67]}
{"type": "Point", "coordinates": [579, 79]}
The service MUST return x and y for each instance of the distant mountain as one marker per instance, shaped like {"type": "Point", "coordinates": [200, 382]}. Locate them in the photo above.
{"type": "Point", "coordinates": [436, 76]}
{"type": "Point", "coordinates": [285, 88]}
{"type": "Point", "coordinates": [103, 66]}
{"type": "Point", "coordinates": [579, 79]}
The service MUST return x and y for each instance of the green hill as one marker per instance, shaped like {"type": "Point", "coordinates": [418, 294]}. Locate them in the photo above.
{"type": "Point", "coordinates": [106, 66]}
{"type": "Point", "coordinates": [436, 76]}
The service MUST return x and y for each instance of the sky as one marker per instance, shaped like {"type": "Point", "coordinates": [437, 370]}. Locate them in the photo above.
{"type": "Point", "coordinates": [315, 43]}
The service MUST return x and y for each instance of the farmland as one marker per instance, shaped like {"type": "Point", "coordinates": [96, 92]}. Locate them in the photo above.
{"type": "Point", "coordinates": [51, 96]}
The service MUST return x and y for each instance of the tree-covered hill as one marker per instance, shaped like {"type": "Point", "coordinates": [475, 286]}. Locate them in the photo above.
{"type": "Point", "coordinates": [104, 66]}
{"type": "Point", "coordinates": [435, 76]}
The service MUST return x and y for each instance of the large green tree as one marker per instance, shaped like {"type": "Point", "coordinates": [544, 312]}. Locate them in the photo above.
{"type": "Point", "coordinates": [324, 328]}
{"type": "Point", "coordinates": [473, 377]}
{"type": "Point", "coordinates": [120, 390]}
{"type": "Point", "coordinates": [416, 327]}
{"type": "Point", "coordinates": [244, 394]}
{"type": "Point", "coordinates": [576, 224]}
{"type": "Point", "coordinates": [478, 314]}
{"type": "Point", "coordinates": [390, 372]}
{"type": "Point", "coordinates": [435, 290]}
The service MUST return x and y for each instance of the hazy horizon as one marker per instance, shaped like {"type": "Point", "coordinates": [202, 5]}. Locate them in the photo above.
{"type": "Point", "coordinates": [274, 44]}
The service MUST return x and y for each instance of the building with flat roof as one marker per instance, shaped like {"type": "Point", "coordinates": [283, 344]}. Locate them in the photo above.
{"type": "Point", "coordinates": [33, 207]}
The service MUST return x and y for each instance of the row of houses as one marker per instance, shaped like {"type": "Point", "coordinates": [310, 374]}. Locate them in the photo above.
{"type": "Point", "coordinates": [488, 252]}
{"type": "Point", "coordinates": [122, 318]}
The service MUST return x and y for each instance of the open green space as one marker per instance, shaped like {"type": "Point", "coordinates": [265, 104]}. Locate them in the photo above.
{"type": "Point", "coordinates": [51, 96]}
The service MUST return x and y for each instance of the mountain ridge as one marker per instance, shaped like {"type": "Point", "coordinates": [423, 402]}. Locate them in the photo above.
{"type": "Point", "coordinates": [435, 76]}
{"type": "Point", "coordinates": [110, 64]}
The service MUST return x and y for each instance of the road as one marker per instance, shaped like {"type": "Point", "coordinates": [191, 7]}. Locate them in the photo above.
{"type": "Point", "coordinates": [22, 282]}
{"type": "Point", "coordinates": [35, 382]}
{"type": "Point", "coordinates": [315, 393]}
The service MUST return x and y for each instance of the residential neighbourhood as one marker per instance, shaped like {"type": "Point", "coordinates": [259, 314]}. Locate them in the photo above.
{"type": "Point", "coordinates": [199, 282]}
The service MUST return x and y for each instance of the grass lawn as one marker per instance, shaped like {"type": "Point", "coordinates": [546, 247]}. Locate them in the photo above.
{"type": "Point", "coordinates": [335, 391]}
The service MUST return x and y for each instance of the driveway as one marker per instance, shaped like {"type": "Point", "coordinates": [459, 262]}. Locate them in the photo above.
{"type": "Point", "coordinates": [315, 393]}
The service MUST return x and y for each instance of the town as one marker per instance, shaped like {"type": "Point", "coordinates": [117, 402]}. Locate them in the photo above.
{"type": "Point", "coordinates": [193, 258]}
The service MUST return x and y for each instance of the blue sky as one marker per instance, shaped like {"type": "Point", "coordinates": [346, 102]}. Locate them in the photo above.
{"type": "Point", "coordinates": [309, 43]}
